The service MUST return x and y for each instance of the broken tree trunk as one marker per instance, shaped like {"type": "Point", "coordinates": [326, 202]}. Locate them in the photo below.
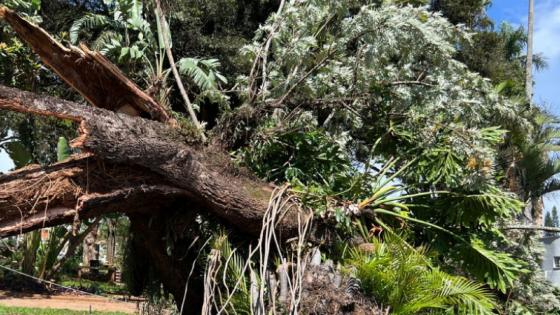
{"type": "Point", "coordinates": [88, 72]}
{"type": "Point", "coordinates": [165, 151]}
{"type": "Point", "coordinates": [34, 197]}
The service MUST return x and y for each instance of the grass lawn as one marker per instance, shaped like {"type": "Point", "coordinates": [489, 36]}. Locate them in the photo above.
{"type": "Point", "coordinates": [5, 310]}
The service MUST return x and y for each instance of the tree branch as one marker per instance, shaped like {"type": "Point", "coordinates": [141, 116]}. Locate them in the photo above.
{"type": "Point", "coordinates": [91, 74]}
{"type": "Point", "coordinates": [532, 228]}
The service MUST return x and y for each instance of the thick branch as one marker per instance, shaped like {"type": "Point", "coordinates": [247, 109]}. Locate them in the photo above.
{"type": "Point", "coordinates": [164, 150]}
{"type": "Point", "coordinates": [88, 72]}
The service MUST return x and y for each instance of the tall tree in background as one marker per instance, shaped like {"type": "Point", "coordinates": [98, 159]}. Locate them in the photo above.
{"type": "Point", "coordinates": [551, 220]}
{"type": "Point", "coordinates": [548, 220]}
{"type": "Point", "coordinates": [529, 65]}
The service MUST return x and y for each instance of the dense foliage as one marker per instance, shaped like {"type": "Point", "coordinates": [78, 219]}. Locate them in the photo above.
{"type": "Point", "coordinates": [404, 117]}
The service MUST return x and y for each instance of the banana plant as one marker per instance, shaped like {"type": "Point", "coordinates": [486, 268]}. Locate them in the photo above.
{"type": "Point", "coordinates": [127, 37]}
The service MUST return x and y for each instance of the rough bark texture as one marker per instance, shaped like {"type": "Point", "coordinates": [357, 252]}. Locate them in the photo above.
{"type": "Point", "coordinates": [537, 205]}
{"type": "Point", "coordinates": [88, 72]}
{"type": "Point", "coordinates": [127, 140]}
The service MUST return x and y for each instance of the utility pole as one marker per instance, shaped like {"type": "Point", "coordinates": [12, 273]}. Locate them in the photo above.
{"type": "Point", "coordinates": [529, 64]}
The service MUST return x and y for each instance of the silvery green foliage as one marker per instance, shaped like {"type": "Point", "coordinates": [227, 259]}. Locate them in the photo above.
{"type": "Point", "coordinates": [377, 70]}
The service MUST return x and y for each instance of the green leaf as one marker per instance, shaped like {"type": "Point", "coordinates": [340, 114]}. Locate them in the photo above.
{"type": "Point", "coordinates": [63, 150]}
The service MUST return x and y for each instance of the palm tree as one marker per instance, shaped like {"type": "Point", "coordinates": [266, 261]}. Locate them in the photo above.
{"type": "Point", "coordinates": [537, 168]}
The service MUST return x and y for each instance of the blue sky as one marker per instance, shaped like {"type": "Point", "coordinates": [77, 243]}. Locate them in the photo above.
{"type": "Point", "coordinates": [547, 42]}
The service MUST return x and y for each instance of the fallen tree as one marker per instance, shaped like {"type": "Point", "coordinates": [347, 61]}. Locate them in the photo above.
{"type": "Point", "coordinates": [202, 172]}
{"type": "Point", "coordinates": [146, 169]}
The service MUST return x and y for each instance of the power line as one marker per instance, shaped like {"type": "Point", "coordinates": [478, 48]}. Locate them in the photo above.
{"type": "Point", "coordinates": [59, 285]}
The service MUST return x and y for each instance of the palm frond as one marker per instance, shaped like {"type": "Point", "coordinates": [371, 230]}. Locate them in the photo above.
{"type": "Point", "coordinates": [403, 278]}
{"type": "Point", "coordinates": [498, 270]}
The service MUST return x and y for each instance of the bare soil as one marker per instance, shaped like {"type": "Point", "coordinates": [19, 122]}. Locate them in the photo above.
{"type": "Point", "coordinates": [66, 301]}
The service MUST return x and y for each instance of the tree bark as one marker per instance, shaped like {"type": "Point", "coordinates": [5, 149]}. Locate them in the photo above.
{"type": "Point", "coordinates": [205, 174]}
{"type": "Point", "coordinates": [537, 206]}
{"type": "Point", "coordinates": [111, 242]}
{"type": "Point", "coordinates": [533, 228]}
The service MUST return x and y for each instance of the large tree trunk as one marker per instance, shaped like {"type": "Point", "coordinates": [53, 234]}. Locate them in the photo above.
{"type": "Point", "coordinates": [206, 175]}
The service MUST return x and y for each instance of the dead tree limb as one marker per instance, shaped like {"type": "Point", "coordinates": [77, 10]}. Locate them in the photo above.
{"type": "Point", "coordinates": [532, 228]}
{"type": "Point", "coordinates": [88, 72]}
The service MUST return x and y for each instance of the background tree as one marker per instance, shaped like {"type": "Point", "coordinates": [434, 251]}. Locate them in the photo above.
{"type": "Point", "coordinates": [529, 66]}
